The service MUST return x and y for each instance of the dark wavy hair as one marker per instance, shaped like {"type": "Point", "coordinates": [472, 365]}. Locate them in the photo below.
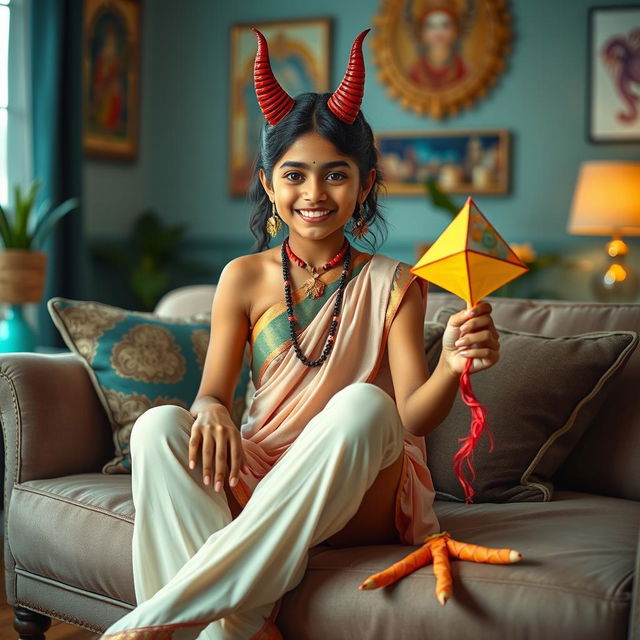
{"type": "Point", "coordinates": [311, 114]}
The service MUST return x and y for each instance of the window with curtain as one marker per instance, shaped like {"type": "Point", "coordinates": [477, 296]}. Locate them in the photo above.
{"type": "Point", "coordinates": [15, 127]}
{"type": "Point", "coordinates": [4, 98]}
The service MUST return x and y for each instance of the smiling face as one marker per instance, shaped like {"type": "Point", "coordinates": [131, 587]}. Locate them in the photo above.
{"type": "Point", "coordinates": [316, 188]}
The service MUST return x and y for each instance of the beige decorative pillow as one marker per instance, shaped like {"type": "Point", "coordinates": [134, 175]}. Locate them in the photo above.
{"type": "Point", "coordinates": [541, 397]}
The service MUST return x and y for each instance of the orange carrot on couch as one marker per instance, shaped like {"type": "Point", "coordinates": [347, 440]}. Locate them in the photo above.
{"type": "Point", "coordinates": [476, 553]}
{"type": "Point", "coordinates": [438, 548]}
{"type": "Point", "coordinates": [418, 558]}
{"type": "Point", "coordinates": [441, 567]}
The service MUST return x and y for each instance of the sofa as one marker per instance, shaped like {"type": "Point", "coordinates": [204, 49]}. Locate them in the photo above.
{"type": "Point", "coordinates": [68, 527]}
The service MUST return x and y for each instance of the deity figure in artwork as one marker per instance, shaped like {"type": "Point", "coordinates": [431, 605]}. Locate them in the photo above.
{"type": "Point", "coordinates": [439, 26]}
{"type": "Point", "coordinates": [621, 55]}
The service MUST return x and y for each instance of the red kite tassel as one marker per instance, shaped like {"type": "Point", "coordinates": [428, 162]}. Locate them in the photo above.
{"type": "Point", "coordinates": [464, 456]}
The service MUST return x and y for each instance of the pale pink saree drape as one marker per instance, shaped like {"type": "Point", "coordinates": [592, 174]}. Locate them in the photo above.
{"type": "Point", "coordinates": [233, 571]}
{"type": "Point", "coordinates": [289, 394]}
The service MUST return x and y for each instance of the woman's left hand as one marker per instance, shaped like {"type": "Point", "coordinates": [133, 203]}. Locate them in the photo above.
{"type": "Point", "coordinates": [471, 333]}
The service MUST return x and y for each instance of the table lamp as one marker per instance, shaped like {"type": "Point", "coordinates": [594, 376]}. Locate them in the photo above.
{"type": "Point", "coordinates": [606, 202]}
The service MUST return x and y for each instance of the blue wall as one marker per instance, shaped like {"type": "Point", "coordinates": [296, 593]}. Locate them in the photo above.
{"type": "Point", "coordinates": [182, 174]}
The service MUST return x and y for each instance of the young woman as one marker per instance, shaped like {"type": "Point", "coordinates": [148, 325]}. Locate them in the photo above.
{"type": "Point", "coordinates": [333, 449]}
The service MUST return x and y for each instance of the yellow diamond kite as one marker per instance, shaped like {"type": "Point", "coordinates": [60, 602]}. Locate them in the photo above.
{"type": "Point", "coordinates": [470, 258]}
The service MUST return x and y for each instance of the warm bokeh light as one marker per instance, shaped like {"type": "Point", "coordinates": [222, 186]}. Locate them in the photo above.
{"type": "Point", "coordinates": [617, 248]}
{"type": "Point", "coordinates": [615, 273]}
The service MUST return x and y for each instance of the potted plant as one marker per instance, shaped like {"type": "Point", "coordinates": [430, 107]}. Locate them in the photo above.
{"type": "Point", "coordinates": [151, 260]}
{"type": "Point", "coordinates": [23, 263]}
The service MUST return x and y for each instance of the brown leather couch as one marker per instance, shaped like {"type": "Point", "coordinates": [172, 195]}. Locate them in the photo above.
{"type": "Point", "coordinates": [68, 528]}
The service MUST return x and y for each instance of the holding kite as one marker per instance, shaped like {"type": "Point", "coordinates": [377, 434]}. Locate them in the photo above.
{"type": "Point", "coordinates": [470, 259]}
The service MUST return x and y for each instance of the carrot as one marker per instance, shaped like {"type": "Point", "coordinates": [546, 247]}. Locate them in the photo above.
{"type": "Point", "coordinates": [419, 558]}
{"type": "Point", "coordinates": [476, 553]}
{"type": "Point", "coordinates": [438, 548]}
{"type": "Point", "coordinates": [441, 568]}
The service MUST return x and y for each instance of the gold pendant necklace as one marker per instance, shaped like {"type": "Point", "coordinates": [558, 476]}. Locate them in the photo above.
{"type": "Point", "coordinates": [314, 287]}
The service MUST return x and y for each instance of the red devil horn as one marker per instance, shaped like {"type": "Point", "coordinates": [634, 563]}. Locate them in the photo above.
{"type": "Point", "coordinates": [347, 98]}
{"type": "Point", "coordinates": [274, 101]}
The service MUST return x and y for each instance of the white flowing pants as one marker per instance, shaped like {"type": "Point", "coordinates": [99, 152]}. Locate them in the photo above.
{"type": "Point", "coordinates": [193, 564]}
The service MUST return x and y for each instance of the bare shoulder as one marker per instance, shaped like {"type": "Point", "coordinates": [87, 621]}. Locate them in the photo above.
{"type": "Point", "coordinates": [243, 271]}
{"type": "Point", "coordinates": [239, 271]}
{"type": "Point", "coordinates": [246, 277]}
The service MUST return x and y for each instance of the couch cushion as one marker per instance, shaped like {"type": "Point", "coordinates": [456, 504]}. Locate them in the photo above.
{"type": "Point", "coordinates": [577, 572]}
{"type": "Point", "coordinates": [605, 461]}
{"type": "Point", "coordinates": [136, 361]}
{"type": "Point", "coordinates": [574, 582]}
{"type": "Point", "coordinates": [541, 397]}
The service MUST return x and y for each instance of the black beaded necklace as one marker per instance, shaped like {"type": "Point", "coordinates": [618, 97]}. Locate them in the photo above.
{"type": "Point", "coordinates": [346, 263]}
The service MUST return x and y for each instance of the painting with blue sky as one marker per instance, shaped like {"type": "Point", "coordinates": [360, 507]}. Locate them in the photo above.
{"type": "Point", "coordinates": [469, 162]}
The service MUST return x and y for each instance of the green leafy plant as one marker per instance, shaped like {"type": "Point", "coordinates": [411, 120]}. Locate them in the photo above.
{"type": "Point", "coordinates": [440, 199]}
{"type": "Point", "coordinates": [154, 264]}
{"type": "Point", "coordinates": [23, 229]}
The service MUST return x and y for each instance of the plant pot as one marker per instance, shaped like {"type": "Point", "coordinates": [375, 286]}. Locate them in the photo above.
{"type": "Point", "coordinates": [22, 276]}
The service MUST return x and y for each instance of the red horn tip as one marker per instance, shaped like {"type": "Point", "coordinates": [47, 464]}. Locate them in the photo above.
{"type": "Point", "coordinates": [275, 103]}
{"type": "Point", "coordinates": [351, 88]}
{"type": "Point", "coordinates": [360, 38]}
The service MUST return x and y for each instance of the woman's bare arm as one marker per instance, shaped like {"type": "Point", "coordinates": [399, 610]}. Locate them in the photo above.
{"type": "Point", "coordinates": [425, 400]}
{"type": "Point", "coordinates": [213, 431]}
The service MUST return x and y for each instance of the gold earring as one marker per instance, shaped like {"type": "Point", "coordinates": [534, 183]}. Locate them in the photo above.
{"type": "Point", "coordinates": [274, 223]}
{"type": "Point", "coordinates": [360, 228]}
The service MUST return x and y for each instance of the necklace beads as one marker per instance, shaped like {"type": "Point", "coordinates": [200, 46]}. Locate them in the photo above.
{"type": "Point", "coordinates": [305, 265]}
{"type": "Point", "coordinates": [345, 254]}
{"type": "Point", "coordinates": [314, 287]}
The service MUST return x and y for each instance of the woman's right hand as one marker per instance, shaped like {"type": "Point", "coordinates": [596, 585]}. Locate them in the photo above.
{"type": "Point", "coordinates": [221, 444]}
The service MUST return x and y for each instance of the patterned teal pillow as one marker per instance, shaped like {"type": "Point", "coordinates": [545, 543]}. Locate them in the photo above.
{"type": "Point", "coordinates": [137, 361]}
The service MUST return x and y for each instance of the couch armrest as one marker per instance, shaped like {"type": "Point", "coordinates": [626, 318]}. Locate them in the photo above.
{"type": "Point", "coordinates": [634, 616]}
{"type": "Point", "coordinates": [52, 420]}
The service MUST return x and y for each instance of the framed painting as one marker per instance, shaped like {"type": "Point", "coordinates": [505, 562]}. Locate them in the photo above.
{"type": "Point", "coordinates": [613, 100]}
{"type": "Point", "coordinates": [464, 162]}
{"type": "Point", "coordinates": [439, 56]}
{"type": "Point", "coordinates": [300, 59]}
{"type": "Point", "coordinates": [111, 78]}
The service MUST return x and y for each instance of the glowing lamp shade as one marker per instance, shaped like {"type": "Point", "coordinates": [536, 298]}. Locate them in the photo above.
{"type": "Point", "coordinates": [606, 202]}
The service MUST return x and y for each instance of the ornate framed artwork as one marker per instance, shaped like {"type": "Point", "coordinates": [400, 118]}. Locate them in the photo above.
{"type": "Point", "coordinates": [111, 78]}
{"type": "Point", "coordinates": [614, 74]}
{"type": "Point", "coordinates": [439, 56]}
{"type": "Point", "coordinates": [464, 162]}
{"type": "Point", "coordinates": [300, 58]}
